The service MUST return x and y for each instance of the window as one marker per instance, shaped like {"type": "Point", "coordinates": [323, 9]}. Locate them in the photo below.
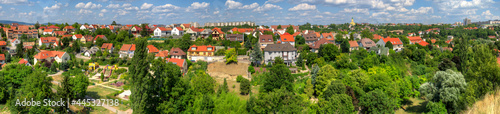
{"type": "Point", "coordinates": [193, 48]}
{"type": "Point", "coordinates": [209, 49]}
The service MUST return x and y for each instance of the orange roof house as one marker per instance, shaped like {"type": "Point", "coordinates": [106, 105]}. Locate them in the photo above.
{"type": "Point", "coordinates": [200, 51]}
{"type": "Point", "coordinates": [58, 56]}
{"type": "Point", "coordinates": [108, 46]}
{"type": "Point", "coordinates": [415, 39]}
{"type": "Point", "coordinates": [179, 62]}
{"type": "Point", "coordinates": [162, 54]}
{"type": "Point", "coordinates": [287, 38]}
{"type": "Point", "coordinates": [152, 49]}
{"type": "Point", "coordinates": [377, 37]}
{"type": "Point", "coordinates": [3, 43]}
{"type": "Point", "coordinates": [423, 43]}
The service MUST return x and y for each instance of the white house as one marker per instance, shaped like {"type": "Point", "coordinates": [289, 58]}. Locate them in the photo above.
{"type": "Point", "coordinates": [48, 56]}
{"type": "Point", "coordinates": [14, 42]}
{"type": "Point", "coordinates": [48, 32]}
{"type": "Point", "coordinates": [177, 31]}
{"type": "Point", "coordinates": [160, 31]}
{"type": "Point", "coordinates": [286, 51]}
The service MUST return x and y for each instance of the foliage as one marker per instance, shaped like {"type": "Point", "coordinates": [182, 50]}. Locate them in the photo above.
{"type": "Point", "coordinates": [256, 55]}
{"type": "Point", "coordinates": [229, 103]}
{"type": "Point", "coordinates": [37, 86]}
{"type": "Point", "coordinates": [325, 76]}
{"type": "Point", "coordinates": [336, 87]}
{"type": "Point", "coordinates": [245, 87]}
{"type": "Point", "coordinates": [328, 51]}
{"type": "Point", "coordinates": [251, 69]}
{"type": "Point", "coordinates": [277, 101]}
{"type": "Point", "coordinates": [447, 86]}
{"type": "Point", "coordinates": [389, 45]}
{"type": "Point", "coordinates": [436, 108]}
{"type": "Point", "coordinates": [309, 89]}
{"type": "Point", "coordinates": [345, 46]}
{"type": "Point", "coordinates": [279, 76]}
{"type": "Point", "coordinates": [231, 56]}
{"type": "Point", "coordinates": [446, 64]}
{"type": "Point", "coordinates": [239, 78]}
{"type": "Point", "coordinates": [202, 83]}
{"type": "Point", "coordinates": [377, 101]}
{"type": "Point", "coordinates": [337, 104]}
{"type": "Point", "coordinates": [141, 80]}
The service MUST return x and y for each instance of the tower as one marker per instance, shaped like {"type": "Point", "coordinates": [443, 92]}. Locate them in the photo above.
{"type": "Point", "coordinates": [352, 21]}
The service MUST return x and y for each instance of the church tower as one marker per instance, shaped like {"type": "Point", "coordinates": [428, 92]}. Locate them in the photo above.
{"type": "Point", "coordinates": [352, 22]}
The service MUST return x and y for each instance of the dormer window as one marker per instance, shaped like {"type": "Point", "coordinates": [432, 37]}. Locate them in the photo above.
{"type": "Point", "coordinates": [193, 48]}
{"type": "Point", "coordinates": [209, 49]}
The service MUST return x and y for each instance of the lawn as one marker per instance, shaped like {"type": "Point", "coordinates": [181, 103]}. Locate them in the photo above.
{"type": "Point", "coordinates": [236, 89]}
{"type": "Point", "coordinates": [417, 106]}
{"type": "Point", "coordinates": [98, 92]}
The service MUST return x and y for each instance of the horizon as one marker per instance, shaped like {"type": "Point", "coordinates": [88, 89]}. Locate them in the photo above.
{"type": "Point", "coordinates": [270, 12]}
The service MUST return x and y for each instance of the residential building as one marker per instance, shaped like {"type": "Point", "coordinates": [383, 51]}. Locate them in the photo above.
{"type": "Point", "coordinates": [185, 26]}
{"type": "Point", "coordinates": [49, 56]}
{"type": "Point", "coordinates": [367, 43]}
{"type": "Point", "coordinates": [162, 54]}
{"type": "Point", "coordinates": [160, 32]}
{"type": "Point", "coordinates": [47, 41]}
{"type": "Point", "coordinates": [87, 38]}
{"type": "Point", "coordinates": [178, 31]}
{"type": "Point", "coordinates": [195, 32]}
{"type": "Point", "coordinates": [353, 45]}
{"type": "Point", "coordinates": [286, 51]}
{"type": "Point", "coordinates": [48, 32]}
{"type": "Point", "coordinates": [90, 52]}
{"type": "Point", "coordinates": [77, 37]}
{"type": "Point", "coordinates": [396, 43]}
{"type": "Point", "coordinates": [100, 37]}
{"type": "Point", "coordinates": [311, 38]}
{"type": "Point", "coordinates": [59, 33]}
{"type": "Point", "coordinates": [127, 50]}
{"type": "Point", "coordinates": [240, 23]}
{"type": "Point", "coordinates": [69, 29]}
{"type": "Point", "coordinates": [415, 39]}
{"type": "Point", "coordinates": [179, 62]}
{"type": "Point", "coordinates": [377, 37]}
{"type": "Point", "coordinates": [284, 27]}
{"type": "Point", "coordinates": [24, 62]}
{"type": "Point", "coordinates": [265, 40]}
{"type": "Point", "coordinates": [152, 49]}
{"type": "Point", "coordinates": [246, 31]}
{"type": "Point", "coordinates": [236, 37]}
{"type": "Point", "coordinates": [286, 38]}
{"type": "Point", "coordinates": [16, 31]}
{"type": "Point", "coordinates": [107, 46]}
{"type": "Point", "coordinates": [205, 33]}
{"type": "Point", "coordinates": [3, 44]}
{"type": "Point", "coordinates": [2, 58]}
{"type": "Point", "coordinates": [14, 42]}
{"type": "Point", "coordinates": [328, 36]}
{"type": "Point", "coordinates": [217, 34]}
{"type": "Point", "coordinates": [315, 46]}
{"type": "Point", "coordinates": [177, 53]}
{"type": "Point", "coordinates": [203, 53]}
{"type": "Point", "coordinates": [423, 43]}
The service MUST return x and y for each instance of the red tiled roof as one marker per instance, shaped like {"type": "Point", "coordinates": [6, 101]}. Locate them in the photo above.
{"type": "Point", "coordinates": [266, 38]}
{"type": "Point", "coordinates": [176, 51]}
{"type": "Point", "coordinates": [187, 25]}
{"type": "Point", "coordinates": [69, 36]}
{"type": "Point", "coordinates": [394, 41]}
{"type": "Point", "coordinates": [178, 62]}
{"type": "Point", "coordinates": [320, 42]}
{"type": "Point", "coordinates": [48, 30]}
{"type": "Point", "coordinates": [128, 47]}
{"type": "Point", "coordinates": [53, 27]}
{"type": "Point", "coordinates": [162, 28]}
{"type": "Point", "coordinates": [218, 30]}
{"type": "Point", "coordinates": [202, 48]}
{"type": "Point", "coordinates": [99, 36]}
{"type": "Point", "coordinates": [163, 53]}
{"type": "Point", "coordinates": [152, 49]}
{"type": "Point", "coordinates": [69, 27]}
{"type": "Point", "coordinates": [45, 54]}
{"type": "Point", "coordinates": [353, 44]}
{"type": "Point", "coordinates": [78, 35]}
{"type": "Point", "coordinates": [376, 36]}
{"type": "Point", "coordinates": [179, 28]}
{"type": "Point", "coordinates": [48, 39]}
{"type": "Point", "coordinates": [433, 40]}
{"type": "Point", "coordinates": [2, 57]}
{"type": "Point", "coordinates": [107, 46]}
{"type": "Point", "coordinates": [287, 38]}
{"type": "Point", "coordinates": [60, 32]}
{"type": "Point", "coordinates": [13, 40]}
{"type": "Point", "coordinates": [423, 43]}
{"type": "Point", "coordinates": [22, 61]}
{"type": "Point", "coordinates": [242, 30]}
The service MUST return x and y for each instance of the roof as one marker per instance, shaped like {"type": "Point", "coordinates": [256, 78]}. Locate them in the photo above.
{"type": "Point", "coordinates": [377, 37]}
{"type": "Point", "coordinates": [202, 48]}
{"type": "Point", "coordinates": [242, 30]}
{"type": "Point", "coordinates": [69, 27]}
{"type": "Point", "coordinates": [2, 57]}
{"type": "Point", "coordinates": [162, 28]}
{"type": "Point", "coordinates": [22, 61]}
{"type": "Point", "coordinates": [100, 36]}
{"type": "Point", "coordinates": [45, 54]}
{"type": "Point", "coordinates": [433, 40]}
{"type": "Point", "coordinates": [78, 35]}
{"type": "Point", "coordinates": [311, 37]}
{"type": "Point", "coordinates": [179, 28]}
{"type": "Point", "coordinates": [107, 46]}
{"type": "Point", "coordinates": [128, 47]}
{"type": "Point", "coordinates": [320, 42]}
{"type": "Point", "coordinates": [265, 38]}
{"type": "Point", "coordinates": [279, 47]}
{"type": "Point", "coordinates": [163, 53]}
{"type": "Point", "coordinates": [423, 43]}
{"type": "Point", "coordinates": [353, 44]}
{"type": "Point", "coordinates": [48, 39]}
{"type": "Point", "coordinates": [13, 40]}
{"type": "Point", "coordinates": [366, 42]}
{"type": "Point", "coordinates": [287, 38]}
{"type": "Point", "coordinates": [152, 49]}
{"type": "Point", "coordinates": [394, 41]}
{"type": "Point", "coordinates": [53, 27]}
{"type": "Point", "coordinates": [48, 30]}
{"type": "Point", "coordinates": [187, 25]}
{"type": "Point", "coordinates": [218, 30]}
{"type": "Point", "coordinates": [60, 32]}
{"type": "Point", "coordinates": [415, 38]}
{"type": "Point", "coordinates": [69, 36]}
{"type": "Point", "coordinates": [196, 29]}
{"type": "Point", "coordinates": [235, 37]}
{"type": "Point", "coordinates": [284, 26]}
{"type": "Point", "coordinates": [178, 62]}
{"type": "Point", "coordinates": [326, 35]}
{"type": "Point", "coordinates": [176, 51]}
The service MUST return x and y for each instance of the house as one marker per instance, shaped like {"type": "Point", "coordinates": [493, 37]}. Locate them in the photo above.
{"type": "Point", "coordinates": [236, 37]}
{"type": "Point", "coordinates": [356, 36]}
{"type": "Point", "coordinates": [353, 45]}
{"type": "Point", "coordinates": [205, 33]}
{"type": "Point", "coordinates": [284, 27]}
{"type": "Point", "coordinates": [24, 62]}
{"type": "Point", "coordinates": [87, 38]}
{"type": "Point", "coordinates": [311, 38]}
{"type": "Point", "coordinates": [90, 52]}
{"type": "Point", "coordinates": [377, 37]}
{"type": "Point", "coordinates": [47, 41]}
{"type": "Point", "coordinates": [178, 31]}
{"type": "Point", "coordinates": [67, 36]}
{"type": "Point", "coordinates": [107, 46]}
{"type": "Point", "coordinates": [3, 44]}
{"type": "Point", "coordinates": [160, 32]}
{"type": "Point", "coordinates": [162, 54]}
{"type": "Point", "coordinates": [195, 32]}
{"type": "Point", "coordinates": [69, 29]}
{"type": "Point", "coordinates": [286, 38]}
{"type": "Point", "coordinates": [48, 56]}
{"type": "Point", "coordinates": [2, 58]}
{"type": "Point", "coordinates": [367, 43]}
{"type": "Point", "coordinates": [264, 40]}
{"type": "Point", "coordinates": [60, 33]}
{"type": "Point", "coordinates": [86, 27]}
{"type": "Point", "coordinates": [135, 30]}
{"type": "Point", "coordinates": [48, 32]}
{"type": "Point", "coordinates": [396, 43]}
{"type": "Point", "coordinates": [415, 39]}
{"type": "Point", "coordinates": [286, 51]}
{"type": "Point", "coordinates": [179, 62]}
{"type": "Point", "coordinates": [423, 43]}
{"type": "Point", "coordinates": [177, 53]}
{"type": "Point", "coordinates": [185, 26]}
{"type": "Point", "coordinates": [379, 50]}
{"type": "Point", "coordinates": [53, 27]}
{"type": "Point", "coordinates": [100, 37]}
{"type": "Point", "coordinates": [18, 30]}
{"type": "Point", "coordinates": [328, 36]}
{"type": "Point", "coordinates": [203, 53]}
{"type": "Point", "coordinates": [127, 50]}
{"type": "Point", "coordinates": [246, 31]}
{"type": "Point", "coordinates": [77, 37]}
{"type": "Point", "coordinates": [14, 42]}
{"type": "Point", "coordinates": [152, 49]}
{"type": "Point", "coordinates": [316, 45]}
{"type": "Point", "coordinates": [217, 34]}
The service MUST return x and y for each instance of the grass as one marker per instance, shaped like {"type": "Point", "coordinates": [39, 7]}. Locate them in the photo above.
{"type": "Point", "coordinates": [416, 106]}
{"type": "Point", "coordinates": [98, 92]}
{"type": "Point", "coordinates": [95, 109]}
{"type": "Point", "coordinates": [236, 89]}
{"type": "Point", "coordinates": [4, 109]}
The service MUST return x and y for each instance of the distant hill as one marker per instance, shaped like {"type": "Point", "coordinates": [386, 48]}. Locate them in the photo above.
{"type": "Point", "coordinates": [9, 22]}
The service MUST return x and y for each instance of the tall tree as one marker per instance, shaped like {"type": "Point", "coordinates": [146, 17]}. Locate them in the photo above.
{"type": "Point", "coordinates": [328, 51]}
{"type": "Point", "coordinates": [256, 55]}
{"type": "Point", "coordinates": [113, 23]}
{"type": "Point", "coordinates": [279, 76]}
{"type": "Point", "coordinates": [377, 102]}
{"type": "Point", "coordinates": [447, 86]}
{"type": "Point", "coordinates": [142, 82]}
{"type": "Point", "coordinates": [37, 25]}
{"type": "Point", "coordinates": [20, 50]}
{"type": "Point", "coordinates": [389, 45]}
{"type": "Point", "coordinates": [231, 56]}
{"type": "Point", "coordinates": [144, 30]}
{"type": "Point", "coordinates": [290, 30]}
{"type": "Point", "coordinates": [64, 91]}
{"type": "Point", "coordinates": [345, 46]}
{"type": "Point", "coordinates": [35, 86]}
{"type": "Point", "coordinates": [245, 86]}
{"type": "Point", "coordinates": [185, 42]}
{"type": "Point", "coordinates": [325, 75]}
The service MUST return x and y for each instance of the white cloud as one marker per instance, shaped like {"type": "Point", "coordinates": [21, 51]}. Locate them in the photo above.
{"type": "Point", "coordinates": [165, 8]}
{"type": "Point", "coordinates": [274, 1]}
{"type": "Point", "coordinates": [356, 10]}
{"type": "Point", "coordinates": [216, 12]}
{"type": "Point", "coordinates": [126, 5]}
{"type": "Point", "coordinates": [421, 10]}
{"type": "Point", "coordinates": [113, 6]}
{"type": "Point", "coordinates": [198, 5]}
{"type": "Point", "coordinates": [104, 10]}
{"type": "Point", "coordinates": [303, 6]}
{"type": "Point", "coordinates": [146, 6]}
{"type": "Point", "coordinates": [121, 12]}
{"type": "Point", "coordinates": [13, 1]}
{"type": "Point", "coordinates": [84, 11]}
{"type": "Point", "coordinates": [0, 7]}
{"type": "Point", "coordinates": [488, 15]}
{"type": "Point", "coordinates": [251, 6]}
{"type": "Point", "coordinates": [101, 14]}
{"type": "Point", "coordinates": [233, 4]}
{"type": "Point", "coordinates": [89, 5]}
{"type": "Point", "coordinates": [51, 8]}
{"type": "Point", "coordinates": [379, 13]}
{"type": "Point", "coordinates": [267, 7]}
{"type": "Point", "coordinates": [131, 8]}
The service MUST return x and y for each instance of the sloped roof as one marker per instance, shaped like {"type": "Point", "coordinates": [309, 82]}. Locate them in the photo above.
{"type": "Point", "coordinates": [423, 43]}
{"type": "Point", "coordinates": [218, 30]}
{"type": "Point", "coordinates": [162, 28]}
{"type": "Point", "coordinates": [53, 27]}
{"type": "Point", "coordinates": [320, 42]}
{"type": "Point", "coordinates": [107, 46]}
{"type": "Point", "coordinates": [152, 49]}
{"type": "Point", "coordinates": [280, 47]}
{"type": "Point", "coordinates": [179, 28]}
{"type": "Point", "coordinates": [201, 48]}
{"type": "Point", "coordinates": [353, 44]}
{"type": "Point", "coordinates": [78, 35]}
{"type": "Point", "coordinates": [377, 37]}
{"type": "Point", "coordinates": [43, 54]}
{"type": "Point", "coordinates": [69, 27]}
{"type": "Point", "coordinates": [48, 39]}
{"type": "Point", "coordinates": [394, 41]}
{"type": "Point", "coordinates": [287, 38]}
{"type": "Point", "coordinates": [22, 61]}
{"type": "Point", "coordinates": [366, 42]}
{"type": "Point", "coordinates": [414, 38]}
{"type": "Point", "coordinates": [266, 38]}
{"type": "Point", "coordinates": [2, 57]}
{"type": "Point", "coordinates": [311, 37]}
{"type": "Point", "coordinates": [100, 36]}
{"type": "Point", "coordinates": [48, 30]}
{"type": "Point", "coordinates": [178, 62]}
{"type": "Point", "coordinates": [163, 53]}
{"type": "Point", "coordinates": [128, 47]}
{"type": "Point", "coordinates": [176, 51]}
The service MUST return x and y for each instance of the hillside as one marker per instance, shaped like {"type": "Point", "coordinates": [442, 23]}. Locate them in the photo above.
{"type": "Point", "coordinates": [490, 104]}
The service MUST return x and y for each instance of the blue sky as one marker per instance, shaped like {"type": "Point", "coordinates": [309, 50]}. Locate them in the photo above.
{"type": "Point", "coordinates": [263, 12]}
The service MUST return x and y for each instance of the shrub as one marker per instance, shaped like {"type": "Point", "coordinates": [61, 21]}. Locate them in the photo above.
{"type": "Point", "coordinates": [245, 87]}
{"type": "Point", "coordinates": [239, 78]}
{"type": "Point", "coordinates": [251, 69]}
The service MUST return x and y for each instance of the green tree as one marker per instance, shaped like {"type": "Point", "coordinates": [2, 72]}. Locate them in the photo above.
{"type": "Point", "coordinates": [278, 60]}
{"type": "Point", "coordinates": [290, 29]}
{"type": "Point", "coordinates": [335, 87]}
{"type": "Point", "coordinates": [102, 76]}
{"type": "Point", "coordinates": [337, 104]}
{"type": "Point", "coordinates": [202, 83]}
{"type": "Point", "coordinates": [436, 108]}
{"type": "Point", "coordinates": [185, 42]}
{"type": "Point", "coordinates": [53, 67]}
{"type": "Point", "coordinates": [225, 87]}
{"type": "Point", "coordinates": [64, 91]}
{"type": "Point", "coordinates": [447, 86]}
{"type": "Point", "coordinates": [245, 87]}
{"type": "Point", "coordinates": [279, 76]}
{"type": "Point", "coordinates": [144, 31]}
{"type": "Point", "coordinates": [377, 102]}
{"type": "Point", "coordinates": [142, 82]}
{"type": "Point", "coordinates": [231, 56]}
{"type": "Point", "coordinates": [309, 89]}
{"type": "Point", "coordinates": [446, 64]}
{"type": "Point", "coordinates": [80, 84]}
{"type": "Point", "coordinates": [113, 23]}
{"type": "Point", "coordinates": [314, 73]}
{"type": "Point", "coordinates": [325, 76]}
{"type": "Point", "coordinates": [389, 45]}
{"type": "Point", "coordinates": [299, 40]}
{"type": "Point", "coordinates": [37, 25]}
{"type": "Point", "coordinates": [345, 46]}
{"type": "Point", "coordinates": [229, 103]}
{"type": "Point", "coordinates": [328, 51]}
{"type": "Point", "coordinates": [277, 101]}
{"type": "Point", "coordinates": [279, 27]}
{"type": "Point", "coordinates": [20, 50]}
{"type": "Point", "coordinates": [37, 86]}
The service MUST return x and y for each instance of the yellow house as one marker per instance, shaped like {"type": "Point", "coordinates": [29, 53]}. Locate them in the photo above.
{"type": "Point", "coordinates": [195, 52]}
{"type": "Point", "coordinates": [217, 34]}
{"type": "Point", "coordinates": [185, 26]}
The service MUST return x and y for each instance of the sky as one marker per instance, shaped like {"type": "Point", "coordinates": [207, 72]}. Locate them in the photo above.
{"type": "Point", "coordinates": [262, 12]}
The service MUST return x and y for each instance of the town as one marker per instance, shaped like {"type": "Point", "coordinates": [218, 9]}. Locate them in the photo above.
{"type": "Point", "coordinates": [248, 67]}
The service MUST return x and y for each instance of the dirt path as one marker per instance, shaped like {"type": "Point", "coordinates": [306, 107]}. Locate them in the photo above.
{"type": "Point", "coordinates": [58, 73]}
{"type": "Point", "coordinates": [109, 107]}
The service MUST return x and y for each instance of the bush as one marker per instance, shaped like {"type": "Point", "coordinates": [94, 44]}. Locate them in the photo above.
{"type": "Point", "coordinates": [251, 69]}
{"type": "Point", "coordinates": [245, 87]}
{"type": "Point", "coordinates": [239, 78]}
